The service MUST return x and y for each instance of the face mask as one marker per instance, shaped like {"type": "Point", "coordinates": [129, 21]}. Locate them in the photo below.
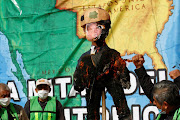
{"type": "Point", "coordinates": [5, 101]}
{"type": "Point", "coordinates": [162, 112]}
{"type": "Point", "coordinates": [43, 94]}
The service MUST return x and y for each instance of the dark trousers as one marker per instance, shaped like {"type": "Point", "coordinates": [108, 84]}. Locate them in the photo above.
{"type": "Point", "coordinates": [93, 98]}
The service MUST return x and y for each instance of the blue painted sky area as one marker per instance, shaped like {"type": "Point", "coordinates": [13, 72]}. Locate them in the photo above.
{"type": "Point", "coordinates": [168, 43]}
{"type": "Point", "coordinates": [6, 68]}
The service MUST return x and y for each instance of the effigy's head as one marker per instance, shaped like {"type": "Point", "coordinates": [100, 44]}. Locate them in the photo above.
{"type": "Point", "coordinates": [96, 24]}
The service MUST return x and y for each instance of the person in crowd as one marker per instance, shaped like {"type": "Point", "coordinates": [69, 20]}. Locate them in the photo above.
{"type": "Point", "coordinates": [44, 107]}
{"type": "Point", "coordinates": [165, 94]}
{"type": "Point", "coordinates": [8, 110]}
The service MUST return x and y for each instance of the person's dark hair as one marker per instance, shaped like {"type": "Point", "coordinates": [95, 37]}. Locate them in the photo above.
{"type": "Point", "coordinates": [166, 91]}
{"type": "Point", "coordinates": [105, 31]}
{"type": "Point", "coordinates": [107, 24]}
{"type": "Point", "coordinates": [4, 87]}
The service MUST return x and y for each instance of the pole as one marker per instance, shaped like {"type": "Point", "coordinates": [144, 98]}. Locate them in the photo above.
{"type": "Point", "coordinates": [103, 105]}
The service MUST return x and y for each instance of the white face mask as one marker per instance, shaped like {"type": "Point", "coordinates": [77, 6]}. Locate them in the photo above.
{"type": "Point", "coordinates": [43, 94]}
{"type": "Point", "coordinates": [5, 101]}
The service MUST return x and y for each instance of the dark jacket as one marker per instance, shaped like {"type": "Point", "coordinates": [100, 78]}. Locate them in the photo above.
{"type": "Point", "coordinates": [20, 112]}
{"type": "Point", "coordinates": [147, 86]}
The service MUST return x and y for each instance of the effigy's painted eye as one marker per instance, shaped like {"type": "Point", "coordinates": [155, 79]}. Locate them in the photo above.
{"type": "Point", "coordinates": [101, 26]}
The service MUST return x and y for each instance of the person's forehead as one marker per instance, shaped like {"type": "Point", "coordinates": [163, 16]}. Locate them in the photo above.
{"type": "Point", "coordinates": [92, 24]}
{"type": "Point", "coordinates": [4, 92]}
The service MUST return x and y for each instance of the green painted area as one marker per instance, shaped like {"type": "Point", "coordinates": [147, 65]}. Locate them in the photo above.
{"type": "Point", "coordinates": [93, 15]}
{"type": "Point", "coordinates": [46, 39]}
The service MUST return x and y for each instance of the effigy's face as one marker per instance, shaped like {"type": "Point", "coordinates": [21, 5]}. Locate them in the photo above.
{"type": "Point", "coordinates": [93, 31]}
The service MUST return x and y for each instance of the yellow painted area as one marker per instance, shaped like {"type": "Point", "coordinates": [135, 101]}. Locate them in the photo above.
{"type": "Point", "coordinates": [135, 23]}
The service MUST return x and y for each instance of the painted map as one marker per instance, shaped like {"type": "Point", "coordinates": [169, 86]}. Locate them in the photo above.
{"type": "Point", "coordinates": [43, 39]}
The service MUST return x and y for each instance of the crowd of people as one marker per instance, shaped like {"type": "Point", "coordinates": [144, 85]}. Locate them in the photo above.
{"type": "Point", "coordinates": [41, 107]}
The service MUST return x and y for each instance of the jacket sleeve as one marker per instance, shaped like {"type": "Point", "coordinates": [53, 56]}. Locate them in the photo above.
{"type": "Point", "coordinates": [78, 74]}
{"type": "Point", "coordinates": [23, 115]}
{"type": "Point", "coordinates": [145, 82]}
{"type": "Point", "coordinates": [125, 79]}
{"type": "Point", "coordinates": [59, 111]}
{"type": "Point", "coordinates": [21, 112]}
{"type": "Point", "coordinates": [177, 81]}
{"type": "Point", "coordinates": [27, 108]}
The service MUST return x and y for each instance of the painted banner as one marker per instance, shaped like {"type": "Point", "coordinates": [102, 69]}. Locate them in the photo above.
{"type": "Point", "coordinates": [43, 39]}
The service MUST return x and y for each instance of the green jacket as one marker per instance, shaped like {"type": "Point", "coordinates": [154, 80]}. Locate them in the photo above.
{"type": "Point", "coordinates": [4, 114]}
{"type": "Point", "coordinates": [36, 112]}
{"type": "Point", "coordinates": [175, 117]}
